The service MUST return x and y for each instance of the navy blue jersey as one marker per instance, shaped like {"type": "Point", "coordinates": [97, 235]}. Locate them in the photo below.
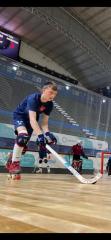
{"type": "Point", "coordinates": [33, 103]}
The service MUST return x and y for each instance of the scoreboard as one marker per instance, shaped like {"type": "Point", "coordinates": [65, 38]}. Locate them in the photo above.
{"type": "Point", "coordinates": [9, 45]}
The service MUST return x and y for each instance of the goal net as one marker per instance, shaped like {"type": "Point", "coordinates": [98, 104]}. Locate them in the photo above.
{"type": "Point", "coordinates": [100, 161]}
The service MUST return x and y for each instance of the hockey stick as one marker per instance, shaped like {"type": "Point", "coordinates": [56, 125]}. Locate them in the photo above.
{"type": "Point", "coordinates": [72, 170]}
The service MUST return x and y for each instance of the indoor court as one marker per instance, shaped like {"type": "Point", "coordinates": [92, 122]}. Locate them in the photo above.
{"type": "Point", "coordinates": [54, 203]}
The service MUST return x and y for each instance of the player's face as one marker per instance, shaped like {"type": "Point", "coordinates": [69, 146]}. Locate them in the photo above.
{"type": "Point", "coordinates": [48, 94]}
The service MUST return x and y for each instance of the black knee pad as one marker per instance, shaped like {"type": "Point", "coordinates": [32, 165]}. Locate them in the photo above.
{"type": "Point", "coordinates": [22, 139]}
{"type": "Point", "coordinates": [45, 160]}
{"type": "Point", "coordinates": [40, 160]}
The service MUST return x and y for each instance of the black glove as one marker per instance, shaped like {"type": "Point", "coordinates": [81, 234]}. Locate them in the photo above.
{"type": "Point", "coordinates": [41, 140]}
{"type": "Point", "coordinates": [50, 138]}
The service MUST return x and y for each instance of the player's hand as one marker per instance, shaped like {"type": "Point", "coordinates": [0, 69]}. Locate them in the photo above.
{"type": "Point", "coordinates": [41, 140]}
{"type": "Point", "coordinates": [50, 138]}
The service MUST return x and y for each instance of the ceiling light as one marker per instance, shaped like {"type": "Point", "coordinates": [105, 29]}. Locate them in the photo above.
{"type": "Point", "coordinates": [67, 87]}
{"type": "Point", "coordinates": [14, 68]}
{"type": "Point", "coordinates": [104, 100]}
{"type": "Point", "coordinates": [108, 87]}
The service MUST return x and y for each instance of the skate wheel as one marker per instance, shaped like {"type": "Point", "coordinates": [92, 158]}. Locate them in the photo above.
{"type": "Point", "coordinates": [9, 176]}
{"type": "Point", "coordinates": [94, 182]}
{"type": "Point", "coordinates": [16, 176]}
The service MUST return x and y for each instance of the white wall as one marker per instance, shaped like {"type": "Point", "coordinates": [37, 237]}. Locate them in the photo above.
{"type": "Point", "coordinates": [31, 54]}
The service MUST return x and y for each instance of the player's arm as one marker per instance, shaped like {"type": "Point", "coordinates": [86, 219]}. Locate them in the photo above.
{"type": "Point", "coordinates": [44, 123]}
{"type": "Point", "coordinates": [33, 122]}
{"type": "Point", "coordinates": [83, 154]}
{"type": "Point", "coordinates": [50, 138]}
{"type": "Point", "coordinates": [40, 141]}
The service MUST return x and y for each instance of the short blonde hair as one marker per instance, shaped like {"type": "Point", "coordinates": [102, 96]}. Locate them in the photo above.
{"type": "Point", "coordinates": [51, 84]}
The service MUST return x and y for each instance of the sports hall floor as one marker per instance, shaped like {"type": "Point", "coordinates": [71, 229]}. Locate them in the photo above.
{"type": "Point", "coordinates": [54, 203]}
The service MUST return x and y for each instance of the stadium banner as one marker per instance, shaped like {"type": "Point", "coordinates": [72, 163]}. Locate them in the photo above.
{"type": "Point", "coordinates": [30, 159]}
{"type": "Point", "coordinates": [6, 130]}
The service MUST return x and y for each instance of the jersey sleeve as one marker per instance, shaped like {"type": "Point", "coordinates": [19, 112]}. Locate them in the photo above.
{"type": "Point", "coordinates": [49, 108]}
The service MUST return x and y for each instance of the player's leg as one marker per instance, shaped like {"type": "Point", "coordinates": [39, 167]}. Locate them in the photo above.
{"type": "Point", "coordinates": [48, 161]}
{"type": "Point", "coordinates": [42, 156]}
{"type": "Point", "coordinates": [40, 166]}
{"type": "Point", "coordinates": [20, 142]}
{"type": "Point", "coordinates": [9, 160]}
{"type": "Point", "coordinates": [80, 166]}
{"type": "Point", "coordinates": [74, 161]}
{"type": "Point", "coordinates": [77, 163]}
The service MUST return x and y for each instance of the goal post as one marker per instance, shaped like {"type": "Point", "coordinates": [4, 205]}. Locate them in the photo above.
{"type": "Point", "coordinates": [100, 162]}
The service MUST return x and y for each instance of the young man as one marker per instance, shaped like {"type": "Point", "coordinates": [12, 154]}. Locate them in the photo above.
{"type": "Point", "coordinates": [25, 118]}
{"type": "Point", "coordinates": [77, 151]}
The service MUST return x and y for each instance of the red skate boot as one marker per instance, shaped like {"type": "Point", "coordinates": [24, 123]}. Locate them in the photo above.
{"type": "Point", "coordinates": [14, 170]}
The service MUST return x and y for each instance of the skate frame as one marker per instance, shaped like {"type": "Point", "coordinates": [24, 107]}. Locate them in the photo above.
{"type": "Point", "coordinates": [72, 170]}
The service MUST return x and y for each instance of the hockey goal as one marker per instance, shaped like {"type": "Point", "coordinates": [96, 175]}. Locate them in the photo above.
{"type": "Point", "coordinates": [100, 162]}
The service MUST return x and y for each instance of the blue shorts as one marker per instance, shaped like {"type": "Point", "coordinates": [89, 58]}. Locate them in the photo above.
{"type": "Point", "coordinates": [20, 121]}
